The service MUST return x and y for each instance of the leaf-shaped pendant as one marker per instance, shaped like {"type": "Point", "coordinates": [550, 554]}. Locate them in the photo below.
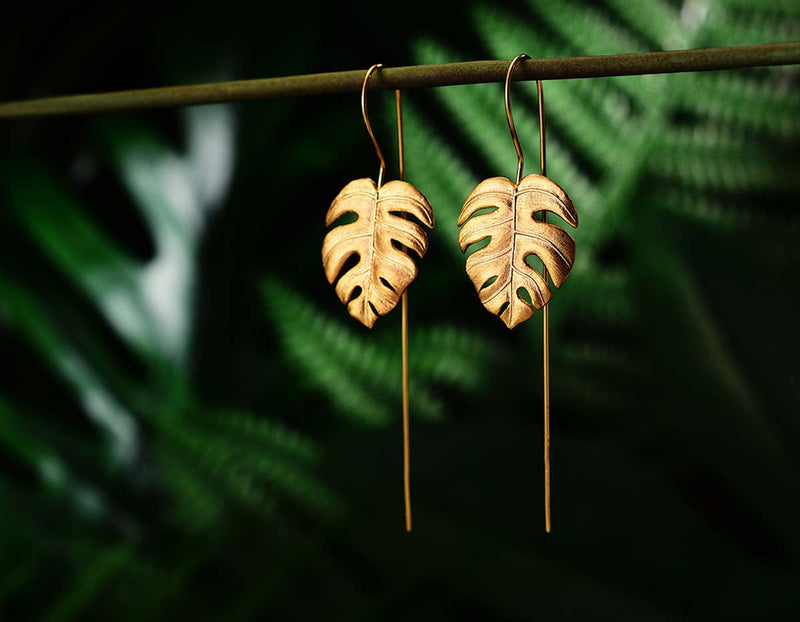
{"type": "Point", "coordinates": [499, 269]}
{"type": "Point", "coordinates": [381, 237]}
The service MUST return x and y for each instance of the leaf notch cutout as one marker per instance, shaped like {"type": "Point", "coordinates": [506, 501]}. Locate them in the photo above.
{"type": "Point", "coordinates": [373, 286]}
{"type": "Point", "coordinates": [499, 269]}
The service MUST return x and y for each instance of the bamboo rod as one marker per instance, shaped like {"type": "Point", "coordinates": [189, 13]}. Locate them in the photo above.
{"type": "Point", "coordinates": [419, 76]}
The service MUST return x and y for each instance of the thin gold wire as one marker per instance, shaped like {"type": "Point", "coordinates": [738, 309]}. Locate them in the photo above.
{"type": "Point", "coordinates": [365, 115]}
{"type": "Point", "coordinates": [545, 327]}
{"type": "Point", "coordinates": [545, 275]}
{"type": "Point", "coordinates": [404, 335]}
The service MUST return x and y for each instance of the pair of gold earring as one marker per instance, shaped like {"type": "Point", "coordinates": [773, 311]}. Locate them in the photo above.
{"type": "Point", "coordinates": [383, 240]}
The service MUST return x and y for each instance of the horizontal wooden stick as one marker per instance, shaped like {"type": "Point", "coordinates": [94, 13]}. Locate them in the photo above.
{"type": "Point", "coordinates": [418, 76]}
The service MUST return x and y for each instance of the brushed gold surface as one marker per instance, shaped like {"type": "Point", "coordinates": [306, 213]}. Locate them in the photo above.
{"type": "Point", "coordinates": [373, 286]}
{"type": "Point", "coordinates": [514, 234]}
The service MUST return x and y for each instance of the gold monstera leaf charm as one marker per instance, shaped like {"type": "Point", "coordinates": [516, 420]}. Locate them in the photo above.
{"type": "Point", "coordinates": [381, 238]}
{"type": "Point", "coordinates": [499, 270]}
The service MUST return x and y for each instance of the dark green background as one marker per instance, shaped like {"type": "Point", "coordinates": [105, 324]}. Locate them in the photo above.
{"type": "Point", "coordinates": [192, 427]}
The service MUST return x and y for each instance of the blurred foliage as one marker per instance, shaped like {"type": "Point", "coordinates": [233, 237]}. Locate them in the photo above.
{"type": "Point", "coordinates": [192, 427]}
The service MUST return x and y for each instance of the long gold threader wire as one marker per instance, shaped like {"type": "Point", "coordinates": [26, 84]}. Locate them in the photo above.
{"type": "Point", "coordinates": [404, 333]}
{"type": "Point", "coordinates": [545, 275]}
{"type": "Point", "coordinates": [404, 306]}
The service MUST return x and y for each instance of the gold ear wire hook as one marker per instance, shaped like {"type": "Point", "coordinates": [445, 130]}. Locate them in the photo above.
{"type": "Point", "coordinates": [510, 119]}
{"type": "Point", "coordinates": [367, 123]}
{"type": "Point", "coordinates": [513, 129]}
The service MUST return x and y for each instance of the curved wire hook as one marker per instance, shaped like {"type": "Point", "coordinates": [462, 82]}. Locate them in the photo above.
{"type": "Point", "coordinates": [367, 123]}
{"type": "Point", "coordinates": [510, 119]}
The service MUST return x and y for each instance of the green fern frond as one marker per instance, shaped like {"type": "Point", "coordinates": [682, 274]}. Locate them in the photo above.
{"type": "Point", "coordinates": [475, 117]}
{"type": "Point", "coordinates": [359, 373]}
{"type": "Point", "coordinates": [588, 32]}
{"type": "Point", "coordinates": [577, 120]}
{"type": "Point", "coordinates": [739, 25]}
{"type": "Point", "coordinates": [587, 29]}
{"type": "Point", "coordinates": [248, 429]}
{"type": "Point", "coordinates": [331, 357]}
{"type": "Point", "coordinates": [655, 20]}
{"type": "Point", "coordinates": [247, 467]}
{"type": "Point", "coordinates": [712, 170]}
{"type": "Point", "coordinates": [612, 104]}
{"type": "Point", "coordinates": [704, 210]}
{"type": "Point", "coordinates": [705, 136]}
{"type": "Point", "coordinates": [211, 470]}
{"type": "Point", "coordinates": [742, 103]}
{"type": "Point", "coordinates": [448, 354]}
{"type": "Point", "coordinates": [600, 295]}
{"type": "Point", "coordinates": [196, 504]}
